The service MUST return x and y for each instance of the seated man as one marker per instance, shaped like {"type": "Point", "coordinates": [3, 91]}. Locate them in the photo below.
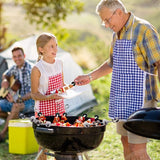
{"type": "Point", "coordinates": [9, 106]}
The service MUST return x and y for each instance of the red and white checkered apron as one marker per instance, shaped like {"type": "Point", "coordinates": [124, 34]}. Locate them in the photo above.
{"type": "Point", "coordinates": [51, 107]}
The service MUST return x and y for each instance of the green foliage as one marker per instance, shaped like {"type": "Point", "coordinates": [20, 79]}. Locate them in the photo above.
{"type": "Point", "coordinates": [81, 39]}
{"type": "Point", "coordinates": [101, 88]}
{"type": "Point", "coordinates": [48, 13]}
{"type": "Point", "coordinates": [98, 47]}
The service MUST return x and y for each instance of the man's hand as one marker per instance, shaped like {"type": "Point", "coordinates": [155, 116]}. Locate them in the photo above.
{"type": "Point", "coordinates": [5, 84]}
{"type": "Point", "coordinates": [9, 97]}
{"type": "Point", "coordinates": [82, 80]}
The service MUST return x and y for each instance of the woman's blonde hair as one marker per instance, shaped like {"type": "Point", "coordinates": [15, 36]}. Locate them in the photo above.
{"type": "Point", "coordinates": [42, 40]}
{"type": "Point", "coordinates": [111, 4]}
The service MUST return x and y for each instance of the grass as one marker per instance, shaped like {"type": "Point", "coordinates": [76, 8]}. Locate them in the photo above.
{"type": "Point", "coordinates": [110, 148]}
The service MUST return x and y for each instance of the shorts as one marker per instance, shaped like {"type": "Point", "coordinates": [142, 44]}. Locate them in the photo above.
{"type": "Point", "coordinates": [6, 106]}
{"type": "Point", "coordinates": [133, 138]}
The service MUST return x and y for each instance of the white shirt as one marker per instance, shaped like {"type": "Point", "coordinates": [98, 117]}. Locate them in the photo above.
{"type": "Point", "coordinates": [46, 70]}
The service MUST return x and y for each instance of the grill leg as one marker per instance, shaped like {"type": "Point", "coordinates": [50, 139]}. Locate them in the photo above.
{"type": "Point", "coordinates": [79, 156]}
{"type": "Point", "coordinates": [38, 155]}
{"type": "Point", "coordinates": [68, 157]}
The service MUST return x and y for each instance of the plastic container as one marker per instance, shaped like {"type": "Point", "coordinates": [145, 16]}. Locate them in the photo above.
{"type": "Point", "coordinates": [21, 137]}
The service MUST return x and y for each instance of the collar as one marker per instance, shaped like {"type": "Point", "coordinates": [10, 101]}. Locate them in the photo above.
{"type": "Point", "coordinates": [127, 25]}
{"type": "Point", "coordinates": [22, 66]}
{"type": "Point", "coordinates": [129, 22]}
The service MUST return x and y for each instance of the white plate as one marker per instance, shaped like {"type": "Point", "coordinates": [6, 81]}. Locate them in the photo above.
{"type": "Point", "coordinates": [73, 92]}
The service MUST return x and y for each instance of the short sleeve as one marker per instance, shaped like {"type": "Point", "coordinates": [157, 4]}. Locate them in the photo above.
{"type": "Point", "coordinates": [151, 46]}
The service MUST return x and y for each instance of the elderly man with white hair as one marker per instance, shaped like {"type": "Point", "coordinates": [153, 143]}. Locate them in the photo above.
{"type": "Point", "coordinates": [134, 62]}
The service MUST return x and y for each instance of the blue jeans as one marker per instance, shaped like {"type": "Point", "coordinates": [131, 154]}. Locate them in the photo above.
{"type": "Point", "coordinates": [6, 106]}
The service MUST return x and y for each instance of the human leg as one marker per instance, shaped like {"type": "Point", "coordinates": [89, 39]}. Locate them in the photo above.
{"type": "Point", "coordinates": [138, 144]}
{"type": "Point", "coordinates": [124, 139]}
{"type": "Point", "coordinates": [138, 147]}
{"type": "Point", "coordinates": [5, 107]}
{"type": "Point", "coordinates": [134, 146]}
{"type": "Point", "coordinates": [28, 106]}
{"type": "Point", "coordinates": [14, 114]}
{"type": "Point", "coordinates": [126, 149]}
{"type": "Point", "coordinates": [3, 114]}
{"type": "Point", "coordinates": [138, 151]}
{"type": "Point", "coordinates": [134, 151]}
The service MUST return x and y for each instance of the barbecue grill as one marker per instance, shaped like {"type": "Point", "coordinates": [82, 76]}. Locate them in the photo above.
{"type": "Point", "coordinates": [68, 143]}
{"type": "Point", "coordinates": [145, 122]}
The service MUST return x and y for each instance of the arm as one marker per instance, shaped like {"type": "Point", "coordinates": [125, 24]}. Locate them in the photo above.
{"type": "Point", "coordinates": [6, 84]}
{"type": "Point", "coordinates": [151, 49]}
{"type": "Point", "coordinates": [26, 97]}
{"type": "Point", "coordinates": [158, 68]}
{"type": "Point", "coordinates": [5, 81]}
{"type": "Point", "coordinates": [103, 70]}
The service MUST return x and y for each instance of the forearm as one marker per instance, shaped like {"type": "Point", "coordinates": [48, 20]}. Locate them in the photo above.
{"type": "Point", "coordinates": [101, 71]}
{"type": "Point", "coordinates": [26, 97]}
{"type": "Point", "coordinates": [158, 68]}
{"type": "Point", "coordinates": [40, 97]}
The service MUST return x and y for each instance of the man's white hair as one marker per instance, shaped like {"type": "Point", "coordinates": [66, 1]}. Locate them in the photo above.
{"type": "Point", "coordinates": [111, 4]}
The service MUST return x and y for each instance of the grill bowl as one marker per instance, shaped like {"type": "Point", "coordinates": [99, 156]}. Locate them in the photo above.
{"type": "Point", "coordinates": [69, 140]}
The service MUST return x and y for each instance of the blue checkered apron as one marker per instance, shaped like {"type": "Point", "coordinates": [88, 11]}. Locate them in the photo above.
{"type": "Point", "coordinates": [128, 82]}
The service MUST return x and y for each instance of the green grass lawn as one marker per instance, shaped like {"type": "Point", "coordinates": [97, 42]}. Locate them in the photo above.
{"type": "Point", "coordinates": [110, 148]}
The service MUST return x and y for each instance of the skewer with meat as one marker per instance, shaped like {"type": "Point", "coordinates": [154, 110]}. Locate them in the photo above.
{"type": "Point", "coordinates": [64, 88]}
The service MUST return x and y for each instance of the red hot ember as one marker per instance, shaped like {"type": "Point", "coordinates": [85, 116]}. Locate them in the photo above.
{"type": "Point", "coordinates": [81, 121]}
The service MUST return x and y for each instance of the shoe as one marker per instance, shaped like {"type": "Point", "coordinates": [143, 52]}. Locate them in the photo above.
{"type": "Point", "coordinates": [1, 139]}
{"type": "Point", "coordinates": [1, 121]}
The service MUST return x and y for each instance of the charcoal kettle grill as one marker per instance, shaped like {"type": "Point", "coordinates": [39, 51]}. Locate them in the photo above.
{"type": "Point", "coordinates": [145, 122]}
{"type": "Point", "coordinates": [68, 143]}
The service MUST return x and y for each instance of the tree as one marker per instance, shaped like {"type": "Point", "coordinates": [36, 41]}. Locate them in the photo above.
{"type": "Point", "coordinates": [3, 30]}
{"type": "Point", "coordinates": [45, 13]}
{"type": "Point", "coordinates": [48, 13]}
